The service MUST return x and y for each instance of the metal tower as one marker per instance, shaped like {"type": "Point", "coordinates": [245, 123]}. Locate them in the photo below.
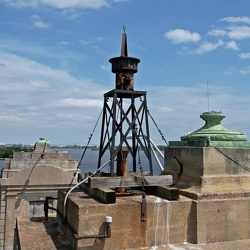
{"type": "Point", "coordinates": [125, 127]}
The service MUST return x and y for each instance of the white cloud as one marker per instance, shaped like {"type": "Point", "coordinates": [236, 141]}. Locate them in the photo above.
{"type": "Point", "coordinates": [239, 32]}
{"type": "Point", "coordinates": [182, 36]}
{"type": "Point", "coordinates": [9, 118]}
{"type": "Point", "coordinates": [190, 103]}
{"type": "Point", "coordinates": [217, 32]}
{"type": "Point", "coordinates": [38, 22]}
{"type": "Point", "coordinates": [165, 109]}
{"type": "Point", "coordinates": [84, 42]}
{"type": "Point", "coordinates": [105, 67]}
{"type": "Point", "coordinates": [231, 71]}
{"type": "Point", "coordinates": [244, 56]}
{"type": "Point", "coordinates": [232, 45]}
{"type": "Point", "coordinates": [79, 103]}
{"type": "Point", "coordinates": [63, 43]}
{"type": "Point", "coordinates": [243, 19]}
{"type": "Point", "coordinates": [51, 100]}
{"type": "Point", "coordinates": [33, 94]}
{"type": "Point", "coordinates": [207, 47]}
{"type": "Point", "coordinates": [237, 70]}
{"type": "Point", "coordinates": [59, 4]}
{"type": "Point", "coordinates": [245, 71]}
{"type": "Point", "coordinates": [91, 40]}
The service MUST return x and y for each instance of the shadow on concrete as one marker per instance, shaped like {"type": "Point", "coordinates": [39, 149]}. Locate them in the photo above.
{"type": "Point", "coordinates": [53, 230]}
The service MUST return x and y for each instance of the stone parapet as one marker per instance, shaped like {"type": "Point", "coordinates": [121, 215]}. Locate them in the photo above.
{"type": "Point", "coordinates": [25, 182]}
{"type": "Point", "coordinates": [221, 220]}
{"type": "Point", "coordinates": [209, 169]}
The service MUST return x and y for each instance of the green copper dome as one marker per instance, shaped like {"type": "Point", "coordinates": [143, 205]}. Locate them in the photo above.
{"type": "Point", "coordinates": [213, 134]}
{"type": "Point", "coordinates": [213, 130]}
{"type": "Point", "coordinates": [42, 141]}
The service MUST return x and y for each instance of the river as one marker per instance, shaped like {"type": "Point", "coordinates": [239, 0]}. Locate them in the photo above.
{"type": "Point", "coordinates": [90, 160]}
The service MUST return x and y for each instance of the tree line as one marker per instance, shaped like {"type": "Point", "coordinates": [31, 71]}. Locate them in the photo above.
{"type": "Point", "coordinates": [7, 152]}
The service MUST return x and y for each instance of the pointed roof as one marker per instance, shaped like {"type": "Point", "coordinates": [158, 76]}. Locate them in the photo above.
{"type": "Point", "coordinates": [124, 47]}
{"type": "Point", "coordinates": [124, 62]}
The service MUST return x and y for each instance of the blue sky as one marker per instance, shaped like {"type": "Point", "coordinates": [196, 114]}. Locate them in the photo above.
{"type": "Point", "coordinates": [54, 64]}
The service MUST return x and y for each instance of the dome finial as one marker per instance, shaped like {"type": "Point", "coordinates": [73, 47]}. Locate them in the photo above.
{"type": "Point", "coordinates": [124, 28]}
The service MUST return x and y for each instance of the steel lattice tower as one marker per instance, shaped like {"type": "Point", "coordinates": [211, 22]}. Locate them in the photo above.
{"type": "Point", "coordinates": [125, 116]}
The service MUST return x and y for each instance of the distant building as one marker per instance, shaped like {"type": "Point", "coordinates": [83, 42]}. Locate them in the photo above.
{"type": "Point", "coordinates": [26, 180]}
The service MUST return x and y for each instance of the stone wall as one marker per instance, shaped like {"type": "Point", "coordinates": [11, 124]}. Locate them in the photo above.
{"type": "Point", "coordinates": [26, 181]}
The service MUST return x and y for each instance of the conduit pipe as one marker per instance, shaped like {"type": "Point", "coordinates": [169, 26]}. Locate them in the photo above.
{"type": "Point", "coordinates": [154, 147]}
{"type": "Point", "coordinates": [160, 153]}
{"type": "Point", "coordinates": [157, 160]}
{"type": "Point", "coordinates": [157, 149]}
{"type": "Point", "coordinates": [108, 221]}
{"type": "Point", "coordinates": [78, 184]}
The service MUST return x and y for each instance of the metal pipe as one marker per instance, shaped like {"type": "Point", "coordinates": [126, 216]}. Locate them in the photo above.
{"type": "Point", "coordinates": [157, 160]}
{"type": "Point", "coordinates": [157, 149]}
{"type": "Point", "coordinates": [47, 207]}
{"type": "Point", "coordinates": [108, 221]}
{"type": "Point", "coordinates": [77, 185]}
{"type": "Point", "coordinates": [122, 166]}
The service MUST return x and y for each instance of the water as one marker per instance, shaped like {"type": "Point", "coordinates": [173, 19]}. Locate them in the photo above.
{"type": "Point", "coordinates": [90, 160]}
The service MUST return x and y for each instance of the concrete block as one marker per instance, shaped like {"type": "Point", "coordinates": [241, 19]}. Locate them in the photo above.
{"type": "Point", "coordinates": [166, 221]}
{"type": "Point", "coordinates": [210, 170]}
{"type": "Point", "coordinates": [223, 220]}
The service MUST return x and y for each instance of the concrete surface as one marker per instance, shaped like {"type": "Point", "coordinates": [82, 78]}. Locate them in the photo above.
{"type": "Point", "coordinates": [25, 182]}
{"type": "Point", "coordinates": [35, 234]}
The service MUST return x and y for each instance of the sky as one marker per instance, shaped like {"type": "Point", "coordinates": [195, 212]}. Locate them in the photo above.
{"type": "Point", "coordinates": [54, 65]}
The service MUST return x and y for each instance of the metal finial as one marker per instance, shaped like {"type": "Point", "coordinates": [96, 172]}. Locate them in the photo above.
{"type": "Point", "coordinates": [124, 28]}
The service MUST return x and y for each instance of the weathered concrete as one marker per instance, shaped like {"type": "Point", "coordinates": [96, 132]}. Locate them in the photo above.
{"type": "Point", "coordinates": [26, 180]}
{"type": "Point", "coordinates": [166, 221]}
{"type": "Point", "coordinates": [37, 233]}
{"type": "Point", "coordinates": [218, 181]}
{"type": "Point", "coordinates": [222, 220]}
{"type": "Point", "coordinates": [210, 170]}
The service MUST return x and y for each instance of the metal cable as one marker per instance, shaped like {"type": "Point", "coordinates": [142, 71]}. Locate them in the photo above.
{"type": "Point", "coordinates": [163, 138]}
{"type": "Point", "coordinates": [231, 159]}
{"type": "Point", "coordinates": [85, 149]}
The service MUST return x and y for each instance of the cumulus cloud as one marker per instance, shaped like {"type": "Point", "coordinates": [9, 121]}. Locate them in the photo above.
{"type": "Point", "coordinates": [237, 71]}
{"type": "Point", "coordinates": [232, 45]}
{"type": "Point", "coordinates": [243, 19]}
{"type": "Point", "coordinates": [244, 56]}
{"type": "Point", "coordinates": [41, 92]}
{"type": "Point", "coordinates": [165, 109]}
{"type": "Point", "coordinates": [217, 32]}
{"type": "Point", "coordinates": [79, 103]}
{"type": "Point", "coordinates": [63, 43]}
{"type": "Point", "coordinates": [182, 36]}
{"type": "Point", "coordinates": [37, 21]}
{"type": "Point", "coordinates": [236, 29]}
{"type": "Point", "coordinates": [245, 71]}
{"type": "Point", "coordinates": [207, 47]}
{"type": "Point", "coordinates": [239, 32]}
{"type": "Point", "coordinates": [52, 100]}
{"type": "Point", "coordinates": [105, 67]}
